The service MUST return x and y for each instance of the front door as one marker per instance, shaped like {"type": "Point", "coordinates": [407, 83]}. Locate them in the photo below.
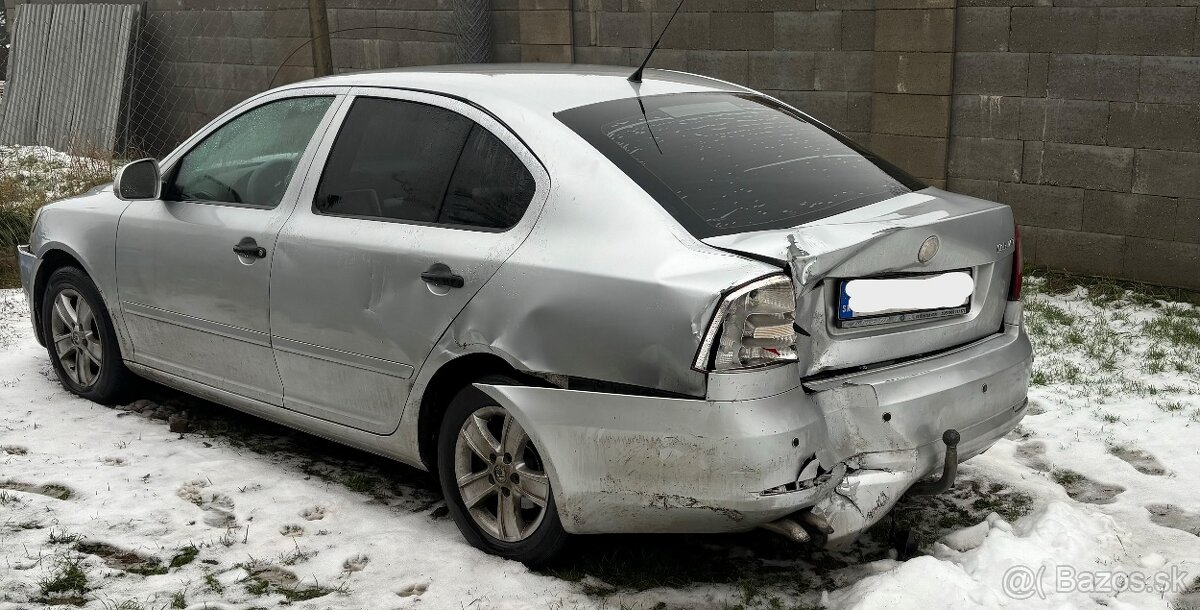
{"type": "Point", "coordinates": [420, 201]}
{"type": "Point", "coordinates": [193, 269]}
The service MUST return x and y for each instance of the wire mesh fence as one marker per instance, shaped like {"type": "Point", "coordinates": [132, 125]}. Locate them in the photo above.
{"type": "Point", "coordinates": [134, 80]}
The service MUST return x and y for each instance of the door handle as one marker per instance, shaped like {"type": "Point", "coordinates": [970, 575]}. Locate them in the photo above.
{"type": "Point", "coordinates": [249, 248]}
{"type": "Point", "coordinates": [439, 274]}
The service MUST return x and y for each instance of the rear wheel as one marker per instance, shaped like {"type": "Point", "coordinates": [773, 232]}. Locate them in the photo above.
{"type": "Point", "coordinates": [495, 481]}
{"type": "Point", "coordinates": [80, 338]}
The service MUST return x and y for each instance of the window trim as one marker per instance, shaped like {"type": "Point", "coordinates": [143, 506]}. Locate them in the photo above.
{"type": "Point", "coordinates": [170, 163]}
{"type": "Point", "coordinates": [478, 117]}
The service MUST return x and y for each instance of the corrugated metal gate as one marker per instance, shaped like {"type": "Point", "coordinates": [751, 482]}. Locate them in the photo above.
{"type": "Point", "coordinates": [67, 75]}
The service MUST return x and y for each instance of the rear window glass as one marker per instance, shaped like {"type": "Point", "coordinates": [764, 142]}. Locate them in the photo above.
{"type": "Point", "coordinates": [725, 163]}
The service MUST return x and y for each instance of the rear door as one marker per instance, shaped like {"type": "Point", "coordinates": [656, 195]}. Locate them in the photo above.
{"type": "Point", "coordinates": [194, 306]}
{"type": "Point", "coordinates": [420, 200]}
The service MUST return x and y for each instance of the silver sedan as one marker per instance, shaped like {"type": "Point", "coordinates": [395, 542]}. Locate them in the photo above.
{"type": "Point", "coordinates": [587, 304]}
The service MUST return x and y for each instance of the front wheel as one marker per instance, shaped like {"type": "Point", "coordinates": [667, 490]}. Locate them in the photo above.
{"type": "Point", "coordinates": [80, 338]}
{"type": "Point", "coordinates": [495, 481]}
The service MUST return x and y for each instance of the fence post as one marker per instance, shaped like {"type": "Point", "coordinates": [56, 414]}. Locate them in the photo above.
{"type": "Point", "coordinates": [319, 27]}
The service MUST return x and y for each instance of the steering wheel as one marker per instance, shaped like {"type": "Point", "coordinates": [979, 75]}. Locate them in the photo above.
{"type": "Point", "coordinates": [204, 195]}
{"type": "Point", "coordinates": [268, 181]}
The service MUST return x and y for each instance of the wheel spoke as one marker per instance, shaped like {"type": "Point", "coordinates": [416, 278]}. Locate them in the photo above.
{"type": "Point", "coordinates": [62, 306]}
{"type": "Point", "coordinates": [83, 312]}
{"type": "Point", "coordinates": [61, 338]}
{"type": "Point", "coordinates": [512, 436]}
{"type": "Point", "coordinates": [477, 437]}
{"type": "Point", "coordinates": [510, 520]}
{"type": "Point", "coordinates": [94, 352]}
{"type": "Point", "coordinates": [475, 488]}
{"type": "Point", "coordinates": [83, 368]}
{"type": "Point", "coordinates": [70, 363]}
{"type": "Point", "coordinates": [533, 485]}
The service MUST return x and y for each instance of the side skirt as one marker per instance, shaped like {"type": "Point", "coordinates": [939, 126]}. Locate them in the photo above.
{"type": "Point", "coordinates": [372, 443]}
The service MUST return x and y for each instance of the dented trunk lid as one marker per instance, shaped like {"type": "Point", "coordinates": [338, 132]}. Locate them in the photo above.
{"type": "Point", "coordinates": [882, 241]}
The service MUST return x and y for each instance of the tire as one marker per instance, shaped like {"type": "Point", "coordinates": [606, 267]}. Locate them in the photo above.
{"type": "Point", "coordinates": [515, 480]}
{"type": "Point", "coordinates": [86, 357]}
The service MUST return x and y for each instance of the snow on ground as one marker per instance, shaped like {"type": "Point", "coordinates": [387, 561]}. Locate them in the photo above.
{"type": "Point", "coordinates": [1103, 477]}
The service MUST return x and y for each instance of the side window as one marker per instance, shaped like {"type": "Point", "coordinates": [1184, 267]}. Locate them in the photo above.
{"type": "Point", "coordinates": [402, 160]}
{"type": "Point", "coordinates": [392, 159]}
{"type": "Point", "coordinates": [491, 187]}
{"type": "Point", "coordinates": [251, 159]}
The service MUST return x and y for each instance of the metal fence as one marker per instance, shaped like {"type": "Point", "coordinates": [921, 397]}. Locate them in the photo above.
{"type": "Point", "coordinates": [124, 80]}
{"type": "Point", "coordinates": [185, 64]}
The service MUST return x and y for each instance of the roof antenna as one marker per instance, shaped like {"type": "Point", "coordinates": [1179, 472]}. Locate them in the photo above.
{"type": "Point", "coordinates": [636, 77]}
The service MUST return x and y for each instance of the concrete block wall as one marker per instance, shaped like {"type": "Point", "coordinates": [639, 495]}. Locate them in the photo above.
{"type": "Point", "coordinates": [815, 54]}
{"type": "Point", "coordinates": [1085, 117]}
{"type": "Point", "coordinates": [1082, 115]}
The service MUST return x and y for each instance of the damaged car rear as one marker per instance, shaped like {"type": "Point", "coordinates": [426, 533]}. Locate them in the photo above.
{"type": "Point", "coordinates": [673, 305]}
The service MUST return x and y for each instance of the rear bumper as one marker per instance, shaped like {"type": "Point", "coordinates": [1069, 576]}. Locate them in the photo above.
{"type": "Point", "coordinates": [622, 463]}
{"type": "Point", "coordinates": [27, 265]}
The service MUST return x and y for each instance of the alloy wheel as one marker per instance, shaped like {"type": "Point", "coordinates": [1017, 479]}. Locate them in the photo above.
{"type": "Point", "coordinates": [500, 476]}
{"type": "Point", "coordinates": [76, 338]}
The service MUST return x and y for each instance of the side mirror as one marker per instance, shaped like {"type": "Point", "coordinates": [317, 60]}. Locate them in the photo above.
{"type": "Point", "coordinates": [138, 181]}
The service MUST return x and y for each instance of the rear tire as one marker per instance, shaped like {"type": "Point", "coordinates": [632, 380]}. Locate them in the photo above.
{"type": "Point", "coordinates": [485, 457]}
{"type": "Point", "coordinates": [80, 338]}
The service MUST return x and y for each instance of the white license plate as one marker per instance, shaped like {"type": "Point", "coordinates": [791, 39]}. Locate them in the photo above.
{"type": "Point", "coordinates": [870, 302]}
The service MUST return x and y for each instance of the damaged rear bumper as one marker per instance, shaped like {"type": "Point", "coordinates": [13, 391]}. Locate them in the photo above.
{"type": "Point", "coordinates": [847, 447]}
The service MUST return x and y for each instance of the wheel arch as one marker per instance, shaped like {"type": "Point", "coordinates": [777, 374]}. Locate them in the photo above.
{"type": "Point", "coordinates": [51, 260]}
{"type": "Point", "coordinates": [449, 378]}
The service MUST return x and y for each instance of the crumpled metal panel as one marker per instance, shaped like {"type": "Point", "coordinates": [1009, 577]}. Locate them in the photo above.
{"type": "Point", "coordinates": [883, 239]}
{"type": "Point", "coordinates": [617, 462]}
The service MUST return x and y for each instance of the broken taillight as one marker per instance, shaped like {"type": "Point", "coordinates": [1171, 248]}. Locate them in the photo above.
{"type": "Point", "coordinates": [753, 326]}
{"type": "Point", "coordinates": [1018, 276]}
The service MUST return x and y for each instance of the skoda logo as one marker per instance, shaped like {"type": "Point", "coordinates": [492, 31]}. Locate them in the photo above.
{"type": "Point", "coordinates": [929, 249]}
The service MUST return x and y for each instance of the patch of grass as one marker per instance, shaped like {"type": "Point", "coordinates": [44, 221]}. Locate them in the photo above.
{"type": "Point", "coordinates": [300, 594]}
{"type": "Point", "coordinates": [1066, 477]}
{"type": "Point", "coordinates": [257, 586]}
{"type": "Point", "coordinates": [212, 584]}
{"type": "Point", "coordinates": [360, 483]}
{"type": "Point", "coordinates": [63, 537]}
{"type": "Point", "coordinates": [1178, 326]}
{"type": "Point", "coordinates": [967, 504]}
{"type": "Point", "coordinates": [1173, 406]}
{"type": "Point", "coordinates": [184, 556]}
{"type": "Point", "coordinates": [66, 576]}
{"type": "Point", "coordinates": [179, 600]}
{"type": "Point", "coordinates": [1104, 291]}
{"type": "Point", "coordinates": [1109, 418]}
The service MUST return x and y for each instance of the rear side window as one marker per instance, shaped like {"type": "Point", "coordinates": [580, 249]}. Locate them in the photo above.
{"type": "Point", "coordinates": [725, 163]}
{"type": "Point", "coordinates": [407, 161]}
{"type": "Point", "coordinates": [491, 187]}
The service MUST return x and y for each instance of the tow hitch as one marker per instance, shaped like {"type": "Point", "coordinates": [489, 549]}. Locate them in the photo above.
{"type": "Point", "coordinates": [949, 468]}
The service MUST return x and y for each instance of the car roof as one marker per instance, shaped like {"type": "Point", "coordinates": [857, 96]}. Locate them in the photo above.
{"type": "Point", "coordinates": [548, 88]}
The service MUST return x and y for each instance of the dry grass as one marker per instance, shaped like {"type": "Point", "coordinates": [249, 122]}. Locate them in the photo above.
{"type": "Point", "coordinates": [32, 177]}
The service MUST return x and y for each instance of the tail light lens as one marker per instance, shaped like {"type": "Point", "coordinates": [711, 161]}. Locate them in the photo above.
{"type": "Point", "coordinates": [754, 326]}
{"type": "Point", "coordinates": [1018, 276]}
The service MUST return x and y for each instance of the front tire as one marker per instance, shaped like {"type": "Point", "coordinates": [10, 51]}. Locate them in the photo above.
{"type": "Point", "coordinates": [80, 338]}
{"type": "Point", "coordinates": [495, 481]}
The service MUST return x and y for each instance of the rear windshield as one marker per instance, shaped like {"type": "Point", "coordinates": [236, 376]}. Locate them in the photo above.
{"type": "Point", "coordinates": [724, 163]}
